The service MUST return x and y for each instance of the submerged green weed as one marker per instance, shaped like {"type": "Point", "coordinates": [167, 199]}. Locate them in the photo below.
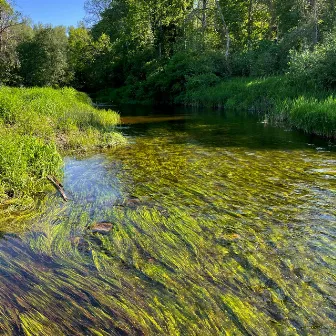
{"type": "Point", "coordinates": [227, 240]}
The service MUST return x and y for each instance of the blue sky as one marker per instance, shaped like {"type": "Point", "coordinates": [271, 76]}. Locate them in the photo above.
{"type": "Point", "coordinates": [56, 12]}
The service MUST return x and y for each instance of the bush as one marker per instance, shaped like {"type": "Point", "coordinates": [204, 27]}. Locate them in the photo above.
{"type": "Point", "coordinates": [316, 68]}
{"type": "Point", "coordinates": [166, 80]}
{"type": "Point", "coordinates": [202, 81]}
{"type": "Point", "coordinates": [268, 58]}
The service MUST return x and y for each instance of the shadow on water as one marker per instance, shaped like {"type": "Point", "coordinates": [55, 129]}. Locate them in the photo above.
{"type": "Point", "coordinates": [218, 128]}
{"type": "Point", "coordinates": [220, 225]}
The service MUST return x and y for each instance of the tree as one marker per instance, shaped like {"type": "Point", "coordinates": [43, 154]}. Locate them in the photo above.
{"type": "Point", "coordinates": [9, 22]}
{"type": "Point", "coordinates": [94, 9]}
{"type": "Point", "coordinates": [80, 56]}
{"type": "Point", "coordinates": [43, 58]}
{"type": "Point", "coordinates": [8, 19]}
{"type": "Point", "coordinates": [225, 28]}
{"type": "Point", "coordinates": [91, 61]}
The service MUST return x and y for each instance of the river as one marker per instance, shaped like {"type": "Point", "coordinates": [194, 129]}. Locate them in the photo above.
{"type": "Point", "coordinates": [222, 225]}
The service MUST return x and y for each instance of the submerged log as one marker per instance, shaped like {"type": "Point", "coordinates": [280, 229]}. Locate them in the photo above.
{"type": "Point", "coordinates": [58, 185]}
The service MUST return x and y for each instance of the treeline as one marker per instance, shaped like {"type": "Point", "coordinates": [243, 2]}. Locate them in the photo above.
{"type": "Point", "coordinates": [42, 55]}
{"type": "Point", "coordinates": [156, 50]}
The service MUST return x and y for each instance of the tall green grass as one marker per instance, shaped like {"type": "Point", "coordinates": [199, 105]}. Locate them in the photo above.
{"type": "Point", "coordinates": [36, 124]}
{"type": "Point", "coordinates": [313, 115]}
{"type": "Point", "coordinates": [277, 97]}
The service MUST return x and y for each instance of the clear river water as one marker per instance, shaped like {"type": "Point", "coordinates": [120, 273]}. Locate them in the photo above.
{"type": "Point", "coordinates": [221, 225]}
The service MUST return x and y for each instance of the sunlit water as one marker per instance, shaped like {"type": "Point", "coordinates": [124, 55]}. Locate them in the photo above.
{"type": "Point", "coordinates": [233, 234]}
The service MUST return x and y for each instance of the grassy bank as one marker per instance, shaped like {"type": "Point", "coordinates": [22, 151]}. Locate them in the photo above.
{"type": "Point", "coordinates": [280, 100]}
{"type": "Point", "coordinates": [35, 126]}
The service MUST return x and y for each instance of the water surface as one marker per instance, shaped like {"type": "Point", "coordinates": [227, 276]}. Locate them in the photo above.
{"type": "Point", "coordinates": [232, 233]}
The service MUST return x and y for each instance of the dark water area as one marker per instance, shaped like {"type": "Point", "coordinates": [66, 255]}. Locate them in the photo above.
{"type": "Point", "coordinates": [222, 225]}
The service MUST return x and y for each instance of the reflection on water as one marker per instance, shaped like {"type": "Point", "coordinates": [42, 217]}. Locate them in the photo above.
{"type": "Point", "coordinates": [233, 232]}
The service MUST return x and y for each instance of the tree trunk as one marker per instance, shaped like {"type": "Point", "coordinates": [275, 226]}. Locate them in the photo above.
{"type": "Point", "coordinates": [249, 25]}
{"type": "Point", "coordinates": [225, 29]}
{"type": "Point", "coordinates": [316, 31]}
{"type": "Point", "coordinates": [204, 14]}
{"type": "Point", "coordinates": [273, 28]}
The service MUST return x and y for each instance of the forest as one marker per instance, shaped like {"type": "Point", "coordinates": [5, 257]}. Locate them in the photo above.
{"type": "Point", "coordinates": [160, 49]}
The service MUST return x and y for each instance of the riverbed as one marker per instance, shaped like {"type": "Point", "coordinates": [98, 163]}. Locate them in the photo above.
{"type": "Point", "coordinates": [221, 225]}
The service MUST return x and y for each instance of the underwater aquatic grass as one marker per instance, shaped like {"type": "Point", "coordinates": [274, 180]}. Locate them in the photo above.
{"type": "Point", "coordinates": [226, 240]}
{"type": "Point", "coordinates": [36, 124]}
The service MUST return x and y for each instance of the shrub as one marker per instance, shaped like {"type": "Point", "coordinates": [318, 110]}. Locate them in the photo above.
{"type": "Point", "coordinates": [268, 58]}
{"type": "Point", "coordinates": [165, 81]}
{"type": "Point", "coordinates": [315, 68]}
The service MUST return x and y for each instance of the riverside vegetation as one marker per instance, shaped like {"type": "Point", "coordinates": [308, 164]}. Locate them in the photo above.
{"type": "Point", "coordinates": [279, 56]}
{"type": "Point", "coordinates": [36, 126]}
{"type": "Point", "coordinates": [276, 99]}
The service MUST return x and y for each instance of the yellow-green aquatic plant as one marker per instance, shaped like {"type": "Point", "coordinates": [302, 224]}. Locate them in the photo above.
{"type": "Point", "coordinates": [227, 239]}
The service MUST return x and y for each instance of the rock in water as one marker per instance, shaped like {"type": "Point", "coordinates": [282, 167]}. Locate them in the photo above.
{"type": "Point", "coordinates": [132, 202]}
{"type": "Point", "coordinates": [101, 227]}
{"type": "Point", "coordinates": [81, 244]}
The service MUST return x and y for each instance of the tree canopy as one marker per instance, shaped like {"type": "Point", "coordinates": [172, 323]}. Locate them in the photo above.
{"type": "Point", "coordinates": [165, 45]}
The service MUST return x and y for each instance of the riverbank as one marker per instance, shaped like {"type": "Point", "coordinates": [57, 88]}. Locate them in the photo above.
{"type": "Point", "coordinates": [277, 98]}
{"type": "Point", "coordinates": [36, 126]}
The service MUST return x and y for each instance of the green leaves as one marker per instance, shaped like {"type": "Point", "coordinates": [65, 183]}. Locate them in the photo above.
{"type": "Point", "coordinates": [5, 7]}
{"type": "Point", "coordinates": [317, 67]}
{"type": "Point", "coordinates": [43, 58]}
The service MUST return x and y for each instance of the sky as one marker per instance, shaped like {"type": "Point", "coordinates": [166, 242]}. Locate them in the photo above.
{"type": "Point", "coordinates": [55, 12]}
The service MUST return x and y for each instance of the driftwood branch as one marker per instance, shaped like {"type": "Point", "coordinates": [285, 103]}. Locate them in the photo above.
{"type": "Point", "coordinates": [58, 185]}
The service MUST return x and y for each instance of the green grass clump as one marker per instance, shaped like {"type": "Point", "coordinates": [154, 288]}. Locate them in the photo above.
{"type": "Point", "coordinates": [36, 124]}
{"type": "Point", "coordinates": [50, 113]}
{"type": "Point", "coordinates": [314, 116]}
{"type": "Point", "coordinates": [24, 160]}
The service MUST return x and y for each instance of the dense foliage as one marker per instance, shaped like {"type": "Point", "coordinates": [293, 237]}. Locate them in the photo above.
{"type": "Point", "coordinates": [159, 49]}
